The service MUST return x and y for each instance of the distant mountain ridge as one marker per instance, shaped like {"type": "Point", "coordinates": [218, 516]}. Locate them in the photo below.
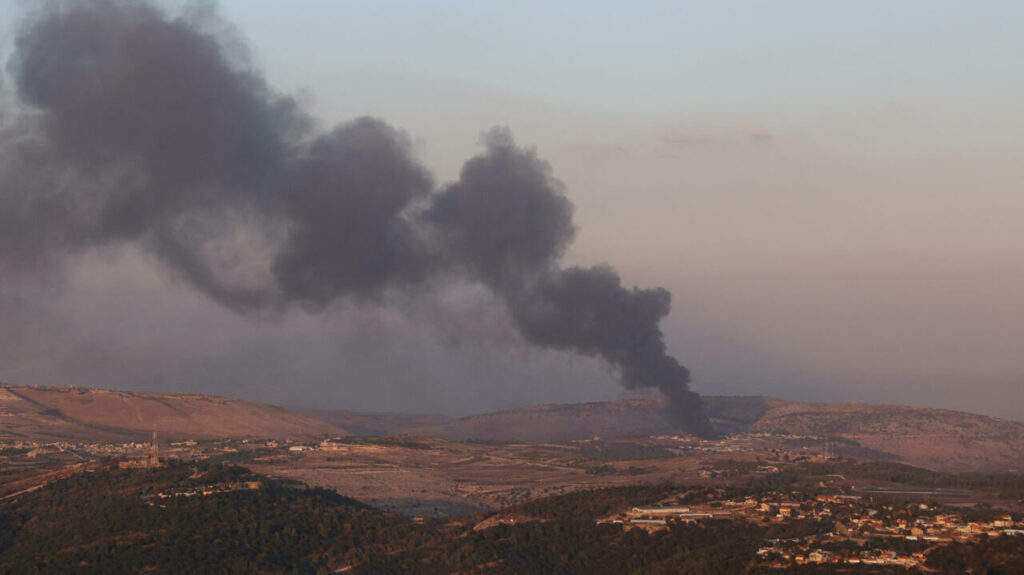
{"type": "Point", "coordinates": [927, 437]}
{"type": "Point", "coordinates": [52, 413]}
{"type": "Point", "coordinates": [557, 422]}
{"type": "Point", "coordinates": [933, 438]}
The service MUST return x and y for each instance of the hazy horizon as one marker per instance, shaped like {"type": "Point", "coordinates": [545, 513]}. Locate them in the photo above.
{"type": "Point", "coordinates": [831, 193]}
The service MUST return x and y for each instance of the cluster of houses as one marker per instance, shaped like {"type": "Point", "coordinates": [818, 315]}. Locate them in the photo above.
{"type": "Point", "coordinates": [201, 490]}
{"type": "Point", "coordinates": [869, 533]}
{"type": "Point", "coordinates": [782, 558]}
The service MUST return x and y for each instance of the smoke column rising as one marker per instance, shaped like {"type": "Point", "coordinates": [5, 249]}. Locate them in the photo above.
{"type": "Point", "coordinates": [130, 126]}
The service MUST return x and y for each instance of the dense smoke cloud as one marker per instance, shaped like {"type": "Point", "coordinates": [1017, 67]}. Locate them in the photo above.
{"type": "Point", "coordinates": [505, 220]}
{"type": "Point", "coordinates": [133, 127]}
{"type": "Point", "coordinates": [346, 196]}
{"type": "Point", "coordinates": [588, 311]}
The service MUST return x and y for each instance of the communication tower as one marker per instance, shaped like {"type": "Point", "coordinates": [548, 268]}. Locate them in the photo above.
{"type": "Point", "coordinates": [154, 453]}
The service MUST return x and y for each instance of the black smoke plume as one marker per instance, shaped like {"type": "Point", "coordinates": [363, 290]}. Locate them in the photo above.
{"type": "Point", "coordinates": [130, 126]}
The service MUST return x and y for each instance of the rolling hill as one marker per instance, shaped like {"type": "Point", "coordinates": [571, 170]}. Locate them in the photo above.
{"type": "Point", "coordinates": [933, 438]}
{"type": "Point", "coordinates": [30, 413]}
{"type": "Point", "coordinates": [556, 422]}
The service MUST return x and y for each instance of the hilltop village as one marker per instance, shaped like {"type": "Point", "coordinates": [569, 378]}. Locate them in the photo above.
{"type": "Point", "coordinates": [885, 531]}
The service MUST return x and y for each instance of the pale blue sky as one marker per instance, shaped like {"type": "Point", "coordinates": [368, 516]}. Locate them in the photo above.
{"type": "Point", "coordinates": [833, 191]}
{"type": "Point", "coordinates": [792, 63]}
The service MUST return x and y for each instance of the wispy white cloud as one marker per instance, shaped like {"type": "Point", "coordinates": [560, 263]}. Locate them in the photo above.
{"type": "Point", "coordinates": [757, 133]}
